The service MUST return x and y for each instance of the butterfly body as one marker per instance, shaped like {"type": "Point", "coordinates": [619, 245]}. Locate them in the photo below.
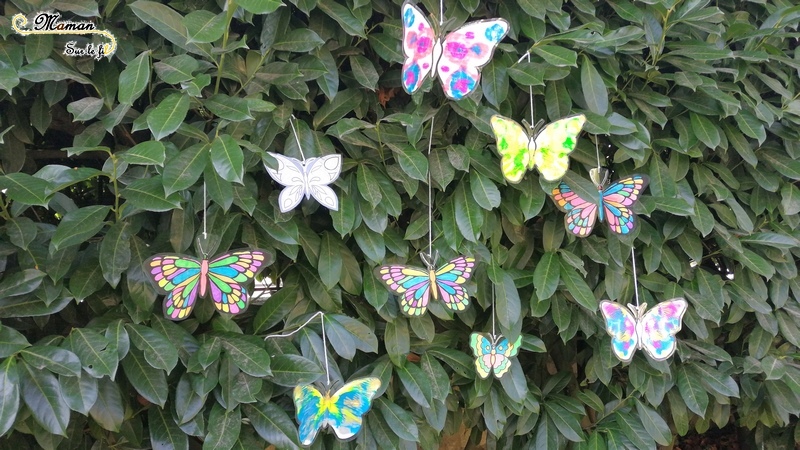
{"type": "Point", "coordinates": [342, 411]}
{"type": "Point", "coordinates": [613, 206]}
{"type": "Point", "coordinates": [185, 279]}
{"type": "Point", "coordinates": [653, 331]}
{"type": "Point", "coordinates": [493, 353]}
{"type": "Point", "coordinates": [547, 150]}
{"type": "Point", "coordinates": [306, 179]}
{"type": "Point", "coordinates": [456, 59]}
{"type": "Point", "coordinates": [416, 285]}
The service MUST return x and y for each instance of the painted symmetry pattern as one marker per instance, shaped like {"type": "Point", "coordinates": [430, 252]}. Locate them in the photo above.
{"type": "Point", "coordinates": [309, 178]}
{"type": "Point", "coordinates": [184, 279]}
{"type": "Point", "coordinates": [341, 411]}
{"type": "Point", "coordinates": [493, 353]}
{"type": "Point", "coordinates": [457, 59]}
{"type": "Point", "coordinates": [417, 286]}
{"type": "Point", "coordinates": [654, 331]}
{"type": "Point", "coordinates": [616, 201]}
{"type": "Point", "coordinates": [548, 151]}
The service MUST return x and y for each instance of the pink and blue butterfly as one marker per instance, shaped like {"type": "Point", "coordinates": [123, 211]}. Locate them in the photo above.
{"type": "Point", "coordinates": [457, 59]}
{"type": "Point", "coordinates": [613, 205]}
{"type": "Point", "coordinates": [632, 328]}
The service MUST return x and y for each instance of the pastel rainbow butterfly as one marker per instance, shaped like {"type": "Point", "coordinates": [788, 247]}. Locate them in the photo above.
{"type": "Point", "coordinates": [457, 59]}
{"type": "Point", "coordinates": [306, 178]}
{"type": "Point", "coordinates": [546, 150]}
{"type": "Point", "coordinates": [614, 204]}
{"type": "Point", "coordinates": [342, 411]}
{"type": "Point", "coordinates": [493, 353]}
{"type": "Point", "coordinates": [184, 279]}
{"type": "Point", "coordinates": [654, 331]}
{"type": "Point", "coordinates": [417, 285]}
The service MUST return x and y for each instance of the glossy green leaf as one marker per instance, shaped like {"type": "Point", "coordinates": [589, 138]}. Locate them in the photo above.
{"type": "Point", "coordinates": [133, 80]}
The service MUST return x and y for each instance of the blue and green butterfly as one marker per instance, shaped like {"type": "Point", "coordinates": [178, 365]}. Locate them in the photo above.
{"type": "Point", "coordinates": [493, 353]}
{"type": "Point", "coordinates": [341, 411]}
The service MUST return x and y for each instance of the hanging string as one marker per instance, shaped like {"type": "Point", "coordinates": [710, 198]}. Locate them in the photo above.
{"type": "Point", "coordinates": [324, 341]}
{"type": "Point", "coordinates": [430, 199]}
{"type": "Point", "coordinates": [494, 313]}
{"type": "Point", "coordinates": [597, 150]}
{"type": "Point", "coordinates": [205, 202]}
{"type": "Point", "coordinates": [527, 56]}
{"type": "Point", "coordinates": [297, 138]}
{"type": "Point", "coordinates": [635, 279]}
{"type": "Point", "coordinates": [441, 13]}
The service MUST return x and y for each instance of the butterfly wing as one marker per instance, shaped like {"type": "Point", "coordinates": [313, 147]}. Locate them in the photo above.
{"type": "Point", "coordinates": [618, 199]}
{"type": "Point", "coordinates": [413, 284]}
{"type": "Point", "coordinates": [449, 279]}
{"type": "Point", "coordinates": [291, 174]}
{"type": "Point", "coordinates": [228, 272]}
{"type": "Point", "coordinates": [658, 327]}
{"type": "Point", "coordinates": [419, 42]}
{"type": "Point", "coordinates": [308, 405]}
{"type": "Point", "coordinates": [349, 404]}
{"type": "Point", "coordinates": [465, 51]}
{"type": "Point", "coordinates": [512, 145]}
{"type": "Point", "coordinates": [482, 349]}
{"type": "Point", "coordinates": [581, 213]}
{"type": "Point", "coordinates": [177, 276]}
{"type": "Point", "coordinates": [503, 352]}
{"type": "Point", "coordinates": [621, 326]}
{"type": "Point", "coordinates": [554, 144]}
{"type": "Point", "coordinates": [319, 174]}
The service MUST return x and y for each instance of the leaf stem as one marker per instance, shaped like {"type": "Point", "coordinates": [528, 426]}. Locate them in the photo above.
{"type": "Point", "coordinates": [228, 17]}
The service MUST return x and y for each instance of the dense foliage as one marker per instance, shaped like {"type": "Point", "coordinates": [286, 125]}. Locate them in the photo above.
{"type": "Point", "coordinates": [103, 165]}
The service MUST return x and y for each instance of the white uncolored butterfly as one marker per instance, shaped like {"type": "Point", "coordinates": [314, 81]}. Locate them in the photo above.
{"type": "Point", "coordinates": [308, 178]}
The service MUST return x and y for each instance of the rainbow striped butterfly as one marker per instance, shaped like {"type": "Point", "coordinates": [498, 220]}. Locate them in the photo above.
{"type": "Point", "coordinates": [341, 411]}
{"type": "Point", "coordinates": [547, 150]}
{"type": "Point", "coordinates": [417, 285]}
{"type": "Point", "coordinates": [493, 353]}
{"type": "Point", "coordinates": [458, 59]}
{"type": "Point", "coordinates": [654, 331]}
{"type": "Point", "coordinates": [616, 201]}
{"type": "Point", "coordinates": [184, 279]}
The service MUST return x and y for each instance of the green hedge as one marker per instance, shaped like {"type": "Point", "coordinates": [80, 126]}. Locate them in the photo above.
{"type": "Point", "coordinates": [103, 163]}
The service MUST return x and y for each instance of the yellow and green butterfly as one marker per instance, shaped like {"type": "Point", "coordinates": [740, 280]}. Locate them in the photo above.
{"type": "Point", "coordinates": [547, 150]}
{"type": "Point", "coordinates": [493, 353]}
{"type": "Point", "coordinates": [342, 410]}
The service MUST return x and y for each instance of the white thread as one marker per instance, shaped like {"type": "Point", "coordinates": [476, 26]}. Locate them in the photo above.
{"type": "Point", "coordinates": [430, 198]}
{"type": "Point", "coordinates": [441, 13]}
{"type": "Point", "coordinates": [297, 139]}
{"type": "Point", "coordinates": [324, 341]}
{"type": "Point", "coordinates": [635, 280]}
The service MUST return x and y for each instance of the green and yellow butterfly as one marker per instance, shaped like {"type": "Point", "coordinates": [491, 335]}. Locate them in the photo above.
{"type": "Point", "coordinates": [342, 411]}
{"type": "Point", "coordinates": [493, 353]}
{"type": "Point", "coordinates": [548, 151]}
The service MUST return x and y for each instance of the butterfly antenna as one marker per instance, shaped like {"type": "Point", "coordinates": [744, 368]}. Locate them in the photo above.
{"type": "Point", "coordinates": [297, 138]}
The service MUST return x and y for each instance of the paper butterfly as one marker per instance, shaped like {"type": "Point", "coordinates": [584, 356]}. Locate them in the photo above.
{"type": "Point", "coordinates": [615, 202]}
{"type": "Point", "coordinates": [341, 411]}
{"type": "Point", "coordinates": [493, 353]}
{"type": "Point", "coordinates": [305, 179]}
{"type": "Point", "coordinates": [184, 279]}
{"type": "Point", "coordinates": [458, 59]}
{"type": "Point", "coordinates": [548, 150]}
{"type": "Point", "coordinates": [654, 331]}
{"type": "Point", "coordinates": [417, 285]}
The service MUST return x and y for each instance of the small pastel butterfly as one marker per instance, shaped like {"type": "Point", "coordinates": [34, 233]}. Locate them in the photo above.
{"type": "Point", "coordinates": [417, 285]}
{"type": "Point", "coordinates": [493, 353]}
{"type": "Point", "coordinates": [654, 331]}
{"type": "Point", "coordinates": [458, 59]}
{"type": "Point", "coordinates": [615, 202]}
{"type": "Point", "coordinates": [547, 150]}
{"type": "Point", "coordinates": [306, 179]}
{"type": "Point", "coordinates": [342, 411]}
{"type": "Point", "coordinates": [184, 279]}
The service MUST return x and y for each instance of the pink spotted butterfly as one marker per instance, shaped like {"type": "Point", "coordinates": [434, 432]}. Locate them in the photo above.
{"type": "Point", "coordinates": [417, 286]}
{"type": "Point", "coordinates": [184, 279]}
{"type": "Point", "coordinates": [654, 331]}
{"type": "Point", "coordinates": [613, 205]}
{"type": "Point", "coordinates": [458, 59]}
